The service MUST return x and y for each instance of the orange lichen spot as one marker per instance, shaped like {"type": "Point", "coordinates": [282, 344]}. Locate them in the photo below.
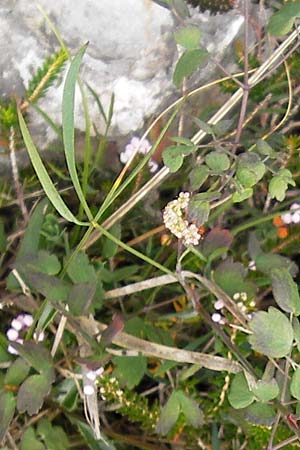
{"type": "Point", "coordinates": [282, 232]}
{"type": "Point", "coordinates": [277, 221]}
{"type": "Point", "coordinates": [165, 239]}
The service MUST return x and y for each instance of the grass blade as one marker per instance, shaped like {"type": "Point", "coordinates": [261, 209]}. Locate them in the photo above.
{"type": "Point", "coordinates": [43, 176]}
{"type": "Point", "coordinates": [68, 126]}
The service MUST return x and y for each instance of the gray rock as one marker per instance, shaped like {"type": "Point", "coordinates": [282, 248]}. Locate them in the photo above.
{"type": "Point", "coordinates": [131, 53]}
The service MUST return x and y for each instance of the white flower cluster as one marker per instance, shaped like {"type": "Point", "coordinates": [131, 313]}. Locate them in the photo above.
{"type": "Point", "coordinates": [293, 216]}
{"type": "Point", "coordinates": [18, 326]}
{"type": "Point", "coordinates": [143, 147]}
{"type": "Point", "coordinates": [90, 380]}
{"type": "Point", "coordinates": [173, 217]}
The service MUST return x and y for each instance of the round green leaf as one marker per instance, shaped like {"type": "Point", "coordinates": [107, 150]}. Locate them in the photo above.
{"type": "Point", "coordinates": [285, 291]}
{"type": "Point", "coordinates": [266, 337]}
{"type": "Point", "coordinates": [188, 63]}
{"type": "Point", "coordinates": [266, 390]}
{"type": "Point", "coordinates": [217, 161]}
{"type": "Point", "coordinates": [295, 384]}
{"type": "Point", "coordinates": [172, 159]}
{"type": "Point", "coordinates": [240, 395]}
{"type": "Point", "coordinates": [188, 37]}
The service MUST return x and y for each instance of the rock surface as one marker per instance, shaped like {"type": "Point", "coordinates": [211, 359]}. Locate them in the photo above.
{"type": "Point", "coordinates": [131, 53]}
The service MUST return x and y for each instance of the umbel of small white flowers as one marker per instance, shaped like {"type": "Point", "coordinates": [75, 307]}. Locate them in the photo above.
{"type": "Point", "coordinates": [174, 220]}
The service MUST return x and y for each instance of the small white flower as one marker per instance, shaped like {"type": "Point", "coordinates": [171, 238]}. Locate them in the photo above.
{"type": "Point", "coordinates": [12, 334]}
{"type": "Point", "coordinates": [91, 375]}
{"type": "Point", "coordinates": [17, 324]}
{"type": "Point", "coordinates": [295, 206]}
{"type": "Point", "coordinates": [296, 217]}
{"type": "Point", "coordinates": [12, 350]}
{"type": "Point", "coordinates": [119, 393]}
{"type": "Point", "coordinates": [99, 371]}
{"type": "Point", "coordinates": [88, 389]}
{"type": "Point", "coordinates": [216, 317]}
{"type": "Point", "coordinates": [244, 296]}
{"type": "Point", "coordinates": [219, 304]}
{"type": "Point", "coordinates": [142, 147]}
{"type": "Point", "coordinates": [27, 320]}
{"type": "Point", "coordinates": [236, 296]}
{"type": "Point", "coordinates": [287, 218]}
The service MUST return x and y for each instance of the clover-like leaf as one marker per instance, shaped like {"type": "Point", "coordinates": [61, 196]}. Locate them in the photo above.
{"type": "Point", "coordinates": [240, 395]}
{"type": "Point", "coordinates": [266, 390]}
{"type": "Point", "coordinates": [266, 337]}
{"type": "Point", "coordinates": [285, 291]}
{"type": "Point", "coordinates": [190, 409]}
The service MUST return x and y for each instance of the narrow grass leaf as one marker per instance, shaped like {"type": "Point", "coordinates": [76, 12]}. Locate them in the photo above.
{"type": "Point", "coordinates": [68, 126]}
{"type": "Point", "coordinates": [43, 175]}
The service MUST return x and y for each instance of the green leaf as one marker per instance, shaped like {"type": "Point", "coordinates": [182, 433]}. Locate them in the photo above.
{"type": "Point", "coordinates": [68, 126]}
{"type": "Point", "coordinates": [222, 127]}
{"type": "Point", "coordinates": [260, 414]}
{"type": "Point", "coordinates": [279, 184]}
{"type": "Point", "coordinates": [37, 356]}
{"type": "Point", "coordinates": [110, 248]}
{"type": "Point", "coordinates": [32, 393]}
{"type": "Point", "coordinates": [250, 169]}
{"type": "Point", "coordinates": [80, 298]}
{"type": "Point", "coordinates": [7, 410]}
{"type": "Point", "coordinates": [53, 288]}
{"type": "Point", "coordinates": [240, 395]}
{"type": "Point", "coordinates": [190, 409]}
{"type": "Point", "coordinates": [17, 372]}
{"type": "Point", "coordinates": [43, 176]}
{"type": "Point", "coordinates": [54, 436]}
{"type": "Point", "coordinates": [266, 262]}
{"type": "Point", "coordinates": [198, 210]}
{"type": "Point", "coordinates": [265, 149]}
{"type": "Point", "coordinates": [203, 126]}
{"type": "Point", "coordinates": [266, 339]}
{"type": "Point", "coordinates": [266, 390]}
{"type": "Point", "coordinates": [230, 276]}
{"type": "Point", "coordinates": [173, 158]}
{"type": "Point", "coordinates": [241, 195]}
{"type": "Point", "coordinates": [130, 369]}
{"type": "Point", "coordinates": [31, 238]}
{"type": "Point", "coordinates": [169, 415]}
{"type": "Point", "coordinates": [296, 328]}
{"type": "Point", "coordinates": [285, 291]}
{"type": "Point", "coordinates": [198, 176]}
{"type": "Point", "coordinates": [295, 384]}
{"type": "Point", "coordinates": [88, 435]}
{"type": "Point", "coordinates": [188, 37]}
{"type": "Point", "coordinates": [217, 239]}
{"type": "Point", "coordinates": [80, 270]}
{"type": "Point", "coordinates": [217, 161]}
{"type": "Point", "coordinates": [282, 21]}
{"type": "Point", "coordinates": [188, 63]}
{"type": "Point", "coordinates": [43, 262]}
{"type": "Point", "coordinates": [3, 240]}
{"type": "Point", "coordinates": [30, 442]}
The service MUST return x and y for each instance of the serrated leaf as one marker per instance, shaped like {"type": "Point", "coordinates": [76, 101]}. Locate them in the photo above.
{"type": "Point", "coordinates": [30, 442]}
{"type": "Point", "coordinates": [188, 37]}
{"type": "Point", "coordinates": [7, 410]}
{"type": "Point", "coordinates": [37, 356]}
{"type": "Point", "coordinates": [190, 409]}
{"type": "Point", "coordinates": [130, 369]}
{"type": "Point", "coordinates": [217, 161]}
{"type": "Point", "coordinates": [80, 270]}
{"type": "Point", "coordinates": [80, 298]}
{"type": "Point", "coordinates": [279, 184]}
{"type": "Point", "coordinates": [250, 169]}
{"type": "Point", "coordinates": [187, 64]}
{"type": "Point", "coordinates": [17, 372]}
{"type": "Point", "coordinates": [240, 395]}
{"type": "Point", "coordinates": [282, 21]}
{"type": "Point", "coordinates": [172, 158]}
{"type": "Point", "coordinates": [88, 435]}
{"type": "Point", "coordinates": [32, 393]}
{"type": "Point", "coordinates": [295, 384]}
{"type": "Point", "coordinates": [169, 415]}
{"type": "Point", "coordinates": [266, 390]}
{"type": "Point", "coordinates": [198, 176]}
{"type": "Point", "coordinates": [265, 338]}
{"type": "Point", "coordinates": [54, 436]}
{"type": "Point", "coordinates": [52, 287]}
{"type": "Point", "coordinates": [285, 291]}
